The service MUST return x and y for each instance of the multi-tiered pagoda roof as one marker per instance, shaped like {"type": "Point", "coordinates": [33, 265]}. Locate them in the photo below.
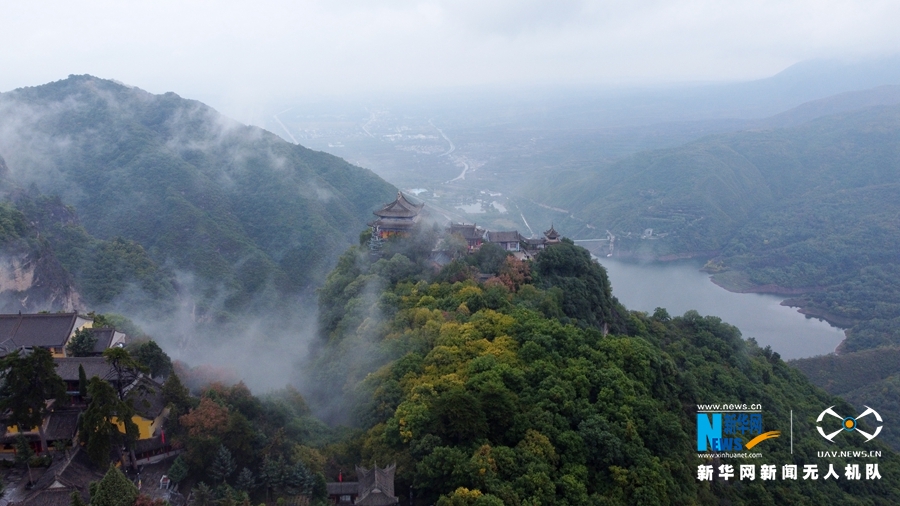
{"type": "Point", "coordinates": [398, 217]}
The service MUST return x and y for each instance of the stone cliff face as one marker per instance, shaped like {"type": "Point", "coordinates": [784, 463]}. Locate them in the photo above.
{"type": "Point", "coordinates": [33, 281]}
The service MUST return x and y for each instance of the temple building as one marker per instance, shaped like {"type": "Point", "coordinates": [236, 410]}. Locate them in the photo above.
{"type": "Point", "coordinates": [42, 330]}
{"type": "Point", "coordinates": [508, 240]}
{"type": "Point", "coordinates": [473, 235]}
{"type": "Point", "coordinates": [374, 487]}
{"type": "Point", "coordinates": [397, 218]}
{"type": "Point", "coordinates": [552, 236]}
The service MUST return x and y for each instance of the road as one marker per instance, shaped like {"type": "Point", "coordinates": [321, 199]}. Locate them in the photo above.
{"type": "Point", "coordinates": [462, 175]}
{"type": "Point", "coordinates": [452, 146]}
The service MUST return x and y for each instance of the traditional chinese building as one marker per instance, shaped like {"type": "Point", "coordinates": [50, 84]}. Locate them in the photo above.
{"type": "Point", "coordinates": [473, 235]}
{"type": "Point", "coordinates": [552, 236]}
{"type": "Point", "coordinates": [374, 487]}
{"type": "Point", "coordinates": [397, 218]}
{"type": "Point", "coordinates": [508, 240]}
{"type": "Point", "coordinates": [42, 330]}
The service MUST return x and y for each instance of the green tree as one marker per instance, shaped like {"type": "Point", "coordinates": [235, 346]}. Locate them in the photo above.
{"type": "Point", "coordinates": [99, 427]}
{"type": "Point", "coordinates": [203, 495]}
{"type": "Point", "coordinates": [26, 383]}
{"type": "Point", "coordinates": [245, 480]}
{"type": "Point", "coordinates": [151, 356]}
{"type": "Point", "coordinates": [125, 366]}
{"type": "Point", "coordinates": [178, 471]}
{"type": "Point", "coordinates": [459, 416]}
{"type": "Point", "coordinates": [114, 490]}
{"type": "Point", "coordinates": [272, 474]}
{"type": "Point", "coordinates": [176, 395]}
{"type": "Point", "coordinates": [586, 291]}
{"type": "Point", "coordinates": [82, 343]}
{"type": "Point", "coordinates": [223, 465]}
{"type": "Point", "coordinates": [76, 499]}
{"type": "Point", "coordinates": [489, 258]}
{"type": "Point", "coordinates": [24, 454]}
{"type": "Point", "coordinates": [82, 382]}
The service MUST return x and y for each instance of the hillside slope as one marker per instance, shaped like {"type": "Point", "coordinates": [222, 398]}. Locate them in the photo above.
{"type": "Point", "coordinates": [240, 212]}
{"type": "Point", "coordinates": [498, 393]}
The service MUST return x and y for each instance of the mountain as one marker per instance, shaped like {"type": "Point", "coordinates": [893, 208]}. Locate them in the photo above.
{"type": "Point", "coordinates": [31, 277]}
{"type": "Point", "coordinates": [863, 378]}
{"type": "Point", "coordinates": [808, 211]}
{"type": "Point", "coordinates": [835, 104]}
{"type": "Point", "coordinates": [503, 392]}
{"type": "Point", "coordinates": [230, 213]}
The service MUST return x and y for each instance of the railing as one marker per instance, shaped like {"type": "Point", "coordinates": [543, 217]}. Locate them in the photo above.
{"type": "Point", "coordinates": [153, 459]}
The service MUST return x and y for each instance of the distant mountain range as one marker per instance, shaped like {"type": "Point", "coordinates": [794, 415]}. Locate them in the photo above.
{"type": "Point", "coordinates": [804, 204]}
{"type": "Point", "coordinates": [143, 196]}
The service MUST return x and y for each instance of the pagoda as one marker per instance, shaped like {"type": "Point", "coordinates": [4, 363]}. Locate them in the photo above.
{"type": "Point", "coordinates": [552, 236]}
{"type": "Point", "coordinates": [397, 218]}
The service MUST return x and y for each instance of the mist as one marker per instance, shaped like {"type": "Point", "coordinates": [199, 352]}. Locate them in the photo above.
{"type": "Point", "coordinates": [216, 274]}
{"type": "Point", "coordinates": [240, 58]}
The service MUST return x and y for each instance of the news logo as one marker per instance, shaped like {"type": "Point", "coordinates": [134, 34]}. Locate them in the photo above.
{"type": "Point", "coordinates": [725, 430]}
{"type": "Point", "coordinates": [848, 424]}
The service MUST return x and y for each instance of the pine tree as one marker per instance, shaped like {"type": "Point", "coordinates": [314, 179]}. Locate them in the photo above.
{"type": "Point", "coordinates": [245, 480]}
{"type": "Point", "coordinates": [82, 343]}
{"type": "Point", "coordinates": [127, 369]}
{"type": "Point", "coordinates": [272, 474]}
{"type": "Point", "coordinates": [98, 431]}
{"type": "Point", "coordinates": [203, 495]}
{"type": "Point", "coordinates": [76, 499]}
{"type": "Point", "coordinates": [223, 466]}
{"type": "Point", "coordinates": [176, 395]}
{"type": "Point", "coordinates": [26, 383]}
{"type": "Point", "coordinates": [24, 454]}
{"type": "Point", "coordinates": [114, 490]}
{"type": "Point", "coordinates": [178, 471]}
{"type": "Point", "coordinates": [82, 382]}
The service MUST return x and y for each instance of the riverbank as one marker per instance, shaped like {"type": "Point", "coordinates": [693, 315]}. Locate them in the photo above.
{"type": "Point", "coordinates": [736, 282]}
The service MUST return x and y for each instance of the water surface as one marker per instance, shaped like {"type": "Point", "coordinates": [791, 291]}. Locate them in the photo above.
{"type": "Point", "coordinates": [679, 287]}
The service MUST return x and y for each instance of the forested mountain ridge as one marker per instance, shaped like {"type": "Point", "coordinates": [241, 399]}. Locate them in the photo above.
{"type": "Point", "coordinates": [501, 393]}
{"type": "Point", "coordinates": [241, 211]}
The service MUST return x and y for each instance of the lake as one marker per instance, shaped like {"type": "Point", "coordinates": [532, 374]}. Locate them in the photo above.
{"type": "Point", "coordinates": [681, 286]}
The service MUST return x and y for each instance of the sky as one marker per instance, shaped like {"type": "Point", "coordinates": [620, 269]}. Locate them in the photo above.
{"type": "Point", "coordinates": [278, 50]}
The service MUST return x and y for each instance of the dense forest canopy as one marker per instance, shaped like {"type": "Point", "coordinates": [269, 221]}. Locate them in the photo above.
{"type": "Point", "coordinates": [501, 392]}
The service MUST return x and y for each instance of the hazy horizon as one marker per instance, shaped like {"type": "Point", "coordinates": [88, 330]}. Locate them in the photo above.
{"type": "Point", "coordinates": [240, 58]}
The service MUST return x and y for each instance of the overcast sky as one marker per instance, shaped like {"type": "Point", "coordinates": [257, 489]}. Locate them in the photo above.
{"type": "Point", "coordinates": [277, 50]}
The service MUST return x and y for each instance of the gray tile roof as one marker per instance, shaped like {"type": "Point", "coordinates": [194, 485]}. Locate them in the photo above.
{"type": "Point", "coordinates": [104, 337]}
{"type": "Point", "coordinates": [400, 208]}
{"type": "Point", "coordinates": [72, 474]}
{"type": "Point", "coordinates": [67, 368]}
{"type": "Point", "coordinates": [510, 236]}
{"type": "Point", "coordinates": [62, 424]}
{"type": "Point", "coordinates": [468, 232]}
{"type": "Point", "coordinates": [147, 398]}
{"type": "Point", "coordinates": [342, 488]}
{"type": "Point", "coordinates": [37, 330]}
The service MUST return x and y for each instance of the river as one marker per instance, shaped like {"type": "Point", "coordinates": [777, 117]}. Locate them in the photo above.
{"type": "Point", "coordinates": [680, 286]}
